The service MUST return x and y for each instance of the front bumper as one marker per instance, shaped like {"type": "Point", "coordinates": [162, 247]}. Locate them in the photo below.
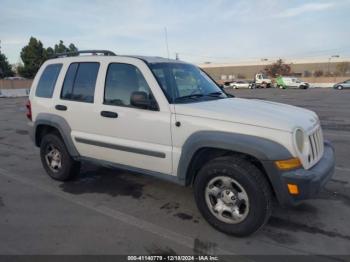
{"type": "Point", "coordinates": [308, 181]}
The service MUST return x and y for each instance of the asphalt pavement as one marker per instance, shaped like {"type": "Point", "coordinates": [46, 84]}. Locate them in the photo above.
{"type": "Point", "coordinates": [106, 211]}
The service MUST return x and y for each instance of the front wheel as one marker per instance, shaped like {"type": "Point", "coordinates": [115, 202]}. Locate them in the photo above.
{"type": "Point", "coordinates": [233, 195]}
{"type": "Point", "coordinates": [339, 87]}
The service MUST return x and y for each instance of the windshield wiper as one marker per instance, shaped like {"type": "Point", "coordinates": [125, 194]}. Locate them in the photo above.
{"type": "Point", "coordinates": [193, 96]}
{"type": "Point", "coordinates": [215, 94]}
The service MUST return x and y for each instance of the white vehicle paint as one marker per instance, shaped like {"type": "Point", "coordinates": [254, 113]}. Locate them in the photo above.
{"type": "Point", "coordinates": [260, 118]}
{"type": "Point", "coordinates": [293, 82]}
{"type": "Point", "coordinates": [262, 81]}
{"type": "Point", "coordinates": [240, 84]}
{"type": "Point", "coordinates": [167, 118]}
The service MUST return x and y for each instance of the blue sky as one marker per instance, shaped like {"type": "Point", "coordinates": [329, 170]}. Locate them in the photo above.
{"type": "Point", "coordinates": [216, 31]}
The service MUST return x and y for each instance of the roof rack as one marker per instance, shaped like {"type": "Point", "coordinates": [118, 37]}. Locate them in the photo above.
{"type": "Point", "coordinates": [92, 52]}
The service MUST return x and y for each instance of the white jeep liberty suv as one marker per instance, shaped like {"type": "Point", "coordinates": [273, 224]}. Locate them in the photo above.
{"type": "Point", "coordinates": [169, 119]}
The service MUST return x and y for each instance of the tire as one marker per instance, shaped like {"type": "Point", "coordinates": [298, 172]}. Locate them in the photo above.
{"type": "Point", "coordinates": [251, 181]}
{"type": "Point", "coordinates": [63, 167]}
{"type": "Point", "coordinates": [339, 87]}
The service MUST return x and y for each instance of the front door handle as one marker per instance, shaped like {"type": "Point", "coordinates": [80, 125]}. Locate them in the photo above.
{"type": "Point", "coordinates": [61, 107]}
{"type": "Point", "coordinates": [109, 114]}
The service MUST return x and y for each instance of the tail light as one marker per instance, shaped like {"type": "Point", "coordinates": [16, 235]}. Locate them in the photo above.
{"type": "Point", "coordinates": [29, 110]}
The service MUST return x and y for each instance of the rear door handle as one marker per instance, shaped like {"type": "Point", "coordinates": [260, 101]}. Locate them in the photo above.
{"type": "Point", "coordinates": [109, 114]}
{"type": "Point", "coordinates": [61, 107]}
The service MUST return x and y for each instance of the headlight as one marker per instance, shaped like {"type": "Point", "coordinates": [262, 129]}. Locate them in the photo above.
{"type": "Point", "coordinates": [299, 139]}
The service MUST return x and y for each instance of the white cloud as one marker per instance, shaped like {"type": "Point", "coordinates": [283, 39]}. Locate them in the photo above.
{"type": "Point", "coordinates": [305, 8]}
{"type": "Point", "coordinates": [198, 30]}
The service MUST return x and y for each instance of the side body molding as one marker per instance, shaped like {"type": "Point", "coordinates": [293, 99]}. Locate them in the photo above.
{"type": "Point", "coordinates": [61, 125]}
{"type": "Point", "coordinates": [260, 148]}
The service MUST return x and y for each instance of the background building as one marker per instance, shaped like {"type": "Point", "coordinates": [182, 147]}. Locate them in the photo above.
{"type": "Point", "coordinates": [316, 67]}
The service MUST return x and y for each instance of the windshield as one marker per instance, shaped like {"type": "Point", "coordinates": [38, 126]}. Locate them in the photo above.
{"type": "Point", "coordinates": [185, 83]}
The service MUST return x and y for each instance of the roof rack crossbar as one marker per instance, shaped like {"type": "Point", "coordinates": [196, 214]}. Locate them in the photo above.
{"type": "Point", "coordinates": [76, 53]}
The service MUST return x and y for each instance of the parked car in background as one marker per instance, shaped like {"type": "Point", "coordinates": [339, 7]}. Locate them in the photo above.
{"type": "Point", "coordinates": [291, 82]}
{"type": "Point", "coordinates": [342, 85]}
{"type": "Point", "coordinates": [240, 84]}
{"type": "Point", "coordinates": [15, 78]}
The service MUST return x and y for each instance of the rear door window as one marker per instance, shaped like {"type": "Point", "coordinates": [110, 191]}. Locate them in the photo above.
{"type": "Point", "coordinates": [48, 80]}
{"type": "Point", "coordinates": [80, 81]}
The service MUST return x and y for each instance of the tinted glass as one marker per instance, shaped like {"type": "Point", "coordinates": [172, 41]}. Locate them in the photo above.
{"type": "Point", "coordinates": [121, 81]}
{"type": "Point", "coordinates": [181, 81]}
{"type": "Point", "coordinates": [67, 90]}
{"type": "Point", "coordinates": [80, 81]}
{"type": "Point", "coordinates": [48, 80]}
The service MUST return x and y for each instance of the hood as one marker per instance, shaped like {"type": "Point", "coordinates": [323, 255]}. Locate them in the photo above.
{"type": "Point", "coordinates": [252, 112]}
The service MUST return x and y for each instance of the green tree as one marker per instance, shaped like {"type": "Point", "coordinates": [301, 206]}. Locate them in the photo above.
{"type": "Point", "coordinates": [61, 48]}
{"type": "Point", "coordinates": [343, 68]}
{"type": "Point", "coordinates": [32, 55]}
{"type": "Point", "coordinates": [49, 52]}
{"type": "Point", "coordinates": [72, 48]}
{"type": "Point", "coordinates": [278, 68]}
{"type": "Point", "coordinates": [5, 67]}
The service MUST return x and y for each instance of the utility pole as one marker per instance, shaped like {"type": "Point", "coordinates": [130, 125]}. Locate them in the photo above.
{"type": "Point", "coordinates": [166, 41]}
{"type": "Point", "coordinates": [329, 62]}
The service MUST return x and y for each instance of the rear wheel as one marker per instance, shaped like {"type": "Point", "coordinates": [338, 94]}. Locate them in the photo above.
{"type": "Point", "coordinates": [233, 195]}
{"type": "Point", "coordinates": [55, 158]}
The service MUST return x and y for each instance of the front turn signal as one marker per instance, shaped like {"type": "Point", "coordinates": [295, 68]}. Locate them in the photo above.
{"type": "Point", "coordinates": [288, 164]}
{"type": "Point", "coordinates": [293, 189]}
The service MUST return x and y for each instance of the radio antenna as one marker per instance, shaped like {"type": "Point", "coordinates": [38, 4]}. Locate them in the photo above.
{"type": "Point", "coordinates": [166, 41]}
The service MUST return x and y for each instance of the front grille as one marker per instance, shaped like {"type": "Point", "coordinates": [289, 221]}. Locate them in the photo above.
{"type": "Point", "coordinates": [316, 146]}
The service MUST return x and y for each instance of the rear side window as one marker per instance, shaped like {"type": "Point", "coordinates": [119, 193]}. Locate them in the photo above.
{"type": "Point", "coordinates": [79, 83]}
{"type": "Point", "coordinates": [48, 80]}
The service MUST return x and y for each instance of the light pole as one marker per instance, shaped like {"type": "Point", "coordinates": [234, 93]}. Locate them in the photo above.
{"type": "Point", "coordinates": [329, 62]}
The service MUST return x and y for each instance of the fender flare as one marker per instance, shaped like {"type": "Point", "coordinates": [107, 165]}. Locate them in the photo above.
{"type": "Point", "coordinates": [263, 149]}
{"type": "Point", "coordinates": [61, 125]}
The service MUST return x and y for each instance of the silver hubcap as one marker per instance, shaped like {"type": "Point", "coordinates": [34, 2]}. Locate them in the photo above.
{"type": "Point", "coordinates": [227, 200]}
{"type": "Point", "coordinates": [53, 158]}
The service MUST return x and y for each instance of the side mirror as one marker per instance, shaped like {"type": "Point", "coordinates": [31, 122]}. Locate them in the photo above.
{"type": "Point", "coordinates": [140, 99]}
